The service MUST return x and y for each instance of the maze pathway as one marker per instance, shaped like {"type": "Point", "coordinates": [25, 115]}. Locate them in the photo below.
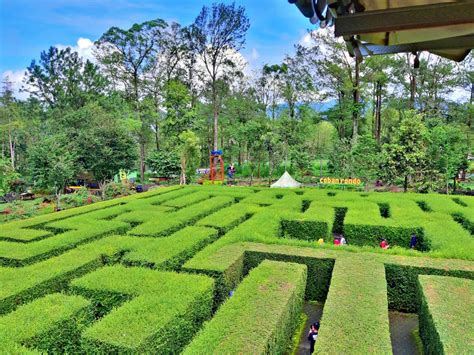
{"type": "Point", "coordinates": [153, 263]}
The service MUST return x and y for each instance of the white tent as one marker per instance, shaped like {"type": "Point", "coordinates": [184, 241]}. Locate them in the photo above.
{"type": "Point", "coordinates": [286, 180]}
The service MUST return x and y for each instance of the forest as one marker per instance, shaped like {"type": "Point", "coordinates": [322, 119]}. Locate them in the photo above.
{"type": "Point", "coordinates": [159, 97]}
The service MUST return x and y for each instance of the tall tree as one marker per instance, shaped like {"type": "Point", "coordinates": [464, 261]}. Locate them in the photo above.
{"type": "Point", "coordinates": [220, 31]}
{"type": "Point", "coordinates": [129, 55]}
{"type": "Point", "coordinates": [10, 121]}
{"type": "Point", "coordinates": [52, 164]}
{"type": "Point", "coordinates": [405, 156]}
{"type": "Point", "coordinates": [61, 79]}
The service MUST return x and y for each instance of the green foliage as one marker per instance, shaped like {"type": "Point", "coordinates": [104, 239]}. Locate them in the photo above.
{"type": "Point", "coordinates": [164, 163]}
{"type": "Point", "coordinates": [7, 176]}
{"type": "Point", "coordinates": [405, 155]}
{"type": "Point", "coordinates": [357, 296]}
{"type": "Point", "coordinates": [228, 234]}
{"type": "Point", "coordinates": [52, 164]}
{"type": "Point", "coordinates": [260, 317]}
{"type": "Point", "coordinates": [179, 115]}
{"type": "Point", "coordinates": [35, 320]}
{"type": "Point", "coordinates": [444, 320]}
{"type": "Point", "coordinates": [174, 305]}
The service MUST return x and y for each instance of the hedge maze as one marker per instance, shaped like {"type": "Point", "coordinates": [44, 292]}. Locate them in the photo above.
{"type": "Point", "coordinates": [152, 272]}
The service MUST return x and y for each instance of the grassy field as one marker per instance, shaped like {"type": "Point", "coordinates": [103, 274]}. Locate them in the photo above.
{"type": "Point", "coordinates": [152, 272]}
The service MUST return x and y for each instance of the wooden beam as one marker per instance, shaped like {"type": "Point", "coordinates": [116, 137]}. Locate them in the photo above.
{"type": "Point", "coordinates": [406, 18]}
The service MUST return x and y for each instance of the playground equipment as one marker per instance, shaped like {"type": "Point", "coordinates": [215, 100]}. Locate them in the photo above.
{"type": "Point", "coordinates": [216, 171]}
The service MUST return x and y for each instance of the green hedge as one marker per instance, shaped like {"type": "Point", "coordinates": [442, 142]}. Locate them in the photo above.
{"type": "Point", "coordinates": [51, 275]}
{"type": "Point", "coordinates": [304, 229]}
{"type": "Point", "coordinates": [166, 308]}
{"type": "Point", "coordinates": [227, 218]}
{"type": "Point", "coordinates": [35, 320]}
{"type": "Point", "coordinates": [446, 317]}
{"type": "Point", "coordinates": [19, 254]}
{"type": "Point", "coordinates": [261, 316]}
{"type": "Point", "coordinates": [171, 222]}
{"type": "Point", "coordinates": [319, 271]}
{"type": "Point", "coordinates": [169, 253]}
{"type": "Point", "coordinates": [358, 234]}
{"type": "Point", "coordinates": [355, 317]}
{"type": "Point", "coordinates": [466, 223]}
{"type": "Point", "coordinates": [403, 287]}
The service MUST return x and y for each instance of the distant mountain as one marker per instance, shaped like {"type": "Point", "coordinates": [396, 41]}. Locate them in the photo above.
{"type": "Point", "coordinates": [317, 106]}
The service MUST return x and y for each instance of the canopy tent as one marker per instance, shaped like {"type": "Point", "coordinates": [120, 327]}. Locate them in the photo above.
{"type": "Point", "coordinates": [442, 27]}
{"type": "Point", "coordinates": [286, 180]}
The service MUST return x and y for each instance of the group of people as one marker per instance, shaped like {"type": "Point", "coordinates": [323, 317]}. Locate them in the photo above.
{"type": "Point", "coordinates": [340, 240]}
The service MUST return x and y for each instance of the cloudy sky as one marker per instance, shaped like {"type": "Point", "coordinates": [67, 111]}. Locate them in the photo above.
{"type": "Point", "coordinates": [28, 27]}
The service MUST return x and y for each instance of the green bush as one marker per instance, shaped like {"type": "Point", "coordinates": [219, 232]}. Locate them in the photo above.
{"type": "Point", "coordinates": [166, 308]}
{"type": "Point", "coordinates": [35, 319]}
{"type": "Point", "coordinates": [446, 321]}
{"type": "Point", "coordinates": [356, 307]}
{"type": "Point", "coordinates": [403, 287]}
{"type": "Point", "coordinates": [261, 316]}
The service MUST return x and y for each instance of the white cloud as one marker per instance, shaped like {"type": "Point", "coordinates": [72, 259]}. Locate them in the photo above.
{"type": "Point", "coordinates": [84, 47]}
{"type": "Point", "coordinates": [254, 55]}
{"type": "Point", "coordinates": [16, 79]}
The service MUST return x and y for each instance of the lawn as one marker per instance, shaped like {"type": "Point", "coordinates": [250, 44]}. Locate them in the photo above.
{"type": "Point", "coordinates": [154, 272]}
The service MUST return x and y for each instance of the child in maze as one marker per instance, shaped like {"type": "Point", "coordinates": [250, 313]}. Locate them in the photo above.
{"type": "Point", "coordinates": [384, 245]}
{"type": "Point", "coordinates": [313, 335]}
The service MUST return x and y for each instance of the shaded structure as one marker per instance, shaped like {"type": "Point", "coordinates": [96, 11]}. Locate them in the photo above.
{"type": "Point", "coordinates": [370, 27]}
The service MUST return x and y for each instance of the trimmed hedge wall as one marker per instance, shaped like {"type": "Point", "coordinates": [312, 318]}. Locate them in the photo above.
{"type": "Point", "coordinates": [358, 234]}
{"type": "Point", "coordinates": [169, 253]}
{"type": "Point", "coordinates": [20, 254]}
{"type": "Point", "coordinates": [304, 230]}
{"type": "Point", "coordinates": [172, 222]}
{"type": "Point", "coordinates": [166, 308]}
{"type": "Point", "coordinates": [319, 271]}
{"type": "Point", "coordinates": [403, 287]}
{"type": "Point", "coordinates": [355, 317]}
{"type": "Point", "coordinates": [446, 317]}
{"type": "Point", "coordinates": [35, 319]}
{"type": "Point", "coordinates": [261, 316]}
{"type": "Point", "coordinates": [229, 217]}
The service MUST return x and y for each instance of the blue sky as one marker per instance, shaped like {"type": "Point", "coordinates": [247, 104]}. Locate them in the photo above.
{"type": "Point", "coordinates": [29, 26]}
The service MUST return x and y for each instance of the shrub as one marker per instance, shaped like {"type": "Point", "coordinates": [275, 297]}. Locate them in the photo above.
{"type": "Point", "coordinates": [35, 319]}
{"type": "Point", "coordinates": [166, 308]}
{"type": "Point", "coordinates": [445, 320]}
{"type": "Point", "coordinates": [356, 306]}
{"type": "Point", "coordinates": [260, 317]}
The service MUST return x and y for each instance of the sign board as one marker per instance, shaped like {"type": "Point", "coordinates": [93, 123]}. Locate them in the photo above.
{"type": "Point", "coordinates": [340, 181]}
{"type": "Point", "coordinates": [203, 171]}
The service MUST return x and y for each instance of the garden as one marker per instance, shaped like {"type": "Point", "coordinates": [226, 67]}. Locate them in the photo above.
{"type": "Point", "coordinates": [215, 269]}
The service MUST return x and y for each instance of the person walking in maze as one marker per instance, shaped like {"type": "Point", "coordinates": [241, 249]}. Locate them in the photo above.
{"type": "Point", "coordinates": [413, 241]}
{"type": "Point", "coordinates": [313, 336]}
{"type": "Point", "coordinates": [343, 240]}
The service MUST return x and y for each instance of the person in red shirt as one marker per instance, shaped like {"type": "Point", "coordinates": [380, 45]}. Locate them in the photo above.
{"type": "Point", "coordinates": [384, 244]}
{"type": "Point", "coordinates": [337, 241]}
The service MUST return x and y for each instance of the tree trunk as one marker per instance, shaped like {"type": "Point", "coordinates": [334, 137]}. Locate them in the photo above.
{"type": "Point", "coordinates": [182, 178]}
{"type": "Point", "coordinates": [11, 143]}
{"type": "Point", "coordinates": [58, 198]}
{"type": "Point", "coordinates": [216, 116]}
{"type": "Point", "coordinates": [157, 135]}
{"type": "Point", "coordinates": [142, 162]}
{"type": "Point", "coordinates": [356, 99]}
{"type": "Point", "coordinates": [412, 83]}
{"type": "Point", "coordinates": [378, 112]}
{"type": "Point", "coordinates": [405, 184]}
